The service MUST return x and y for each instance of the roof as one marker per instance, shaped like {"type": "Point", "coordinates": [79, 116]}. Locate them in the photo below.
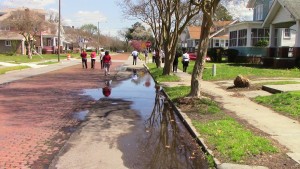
{"type": "Point", "coordinates": [9, 35]}
{"type": "Point", "coordinates": [251, 3]}
{"type": "Point", "coordinates": [218, 27]}
{"type": "Point", "coordinates": [194, 32]}
{"type": "Point", "coordinates": [5, 13]}
{"type": "Point", "coordinates": [291, 6]}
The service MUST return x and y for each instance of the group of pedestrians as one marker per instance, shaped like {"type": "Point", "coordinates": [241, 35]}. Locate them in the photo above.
{"type": "Point", "coordinates": [105, 60]}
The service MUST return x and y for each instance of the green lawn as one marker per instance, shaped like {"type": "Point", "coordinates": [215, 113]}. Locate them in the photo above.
{"type": "Point", "coordinates": [227, 71]}
{"type": "Point", "coordinates": [285, 103]}
{"type": "Point", "coordinates": [157, 74]}
{"type": "Point", "coordinates": [7, 69]}
{"type": "Point", "coordinates": [35, 58]}
{"type": "Point", "coordinates": [232, 140]}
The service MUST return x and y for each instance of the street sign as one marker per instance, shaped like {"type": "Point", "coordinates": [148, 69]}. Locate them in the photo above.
{"type": "Point", "coordinates": [148, 44]}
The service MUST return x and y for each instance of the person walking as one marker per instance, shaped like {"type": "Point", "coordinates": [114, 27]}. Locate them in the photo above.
{"type": "Point", "coordinates": [162, 56]}
{"type": "Point", "coordinates": [146, 56]}
{"type": "Point", "coordinates": [84, 59]}
{"type": "Point", "coordinates": [175, 62]}
{"type": "Point", "coordinates": [134, 55]}
{"type": "Point", "coordinates": [153, 56]}
{"type": "Point", "coordinates": [157, 59]}
{"type": "Point", "coordinates": [185, 60]}
{"type": "Point", "coordinates": [106, 62]}
{"type": "Point", "coordinates": [93, 59]}
{"type": "Point", "coordinates": [102, 53]}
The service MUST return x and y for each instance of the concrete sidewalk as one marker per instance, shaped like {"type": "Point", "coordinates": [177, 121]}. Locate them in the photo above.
{"type": "Point", "coordinates": [36, 70]}
{"type": "Point", "coordinates": [281, 128]}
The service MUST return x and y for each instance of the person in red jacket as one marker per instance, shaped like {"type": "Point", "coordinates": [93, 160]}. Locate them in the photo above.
{"type": "Point", "coordinates": [84, 59]}
{"type": "Point", "coordinates": [106, 62]}
{"type": "Point", "coordinates": [106, 91]}
{"type": "Point", "coordinates": [93, 59]}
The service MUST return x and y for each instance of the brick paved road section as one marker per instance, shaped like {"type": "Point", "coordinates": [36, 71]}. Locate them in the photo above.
{"type": "Point", "coordinates": [36, 113]}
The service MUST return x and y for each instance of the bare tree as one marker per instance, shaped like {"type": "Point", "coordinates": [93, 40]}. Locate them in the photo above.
{"type": "Point", "coordinates": [29, 23]}
{"type": "Point", "coordinates": [167, 19]}
{"type": "Point", "coordinates": [208, 8]}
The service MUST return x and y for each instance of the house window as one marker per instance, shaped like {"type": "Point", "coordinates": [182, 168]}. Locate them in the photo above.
{"type": "Point", "coordinates": [217, 42]}
{"type": "Point", "coordinates": [259, 12]}
{"type": "Point", "coordinates": [5, 28]}
{"type": "Point", "coordinates": [258, 35]}
{"type": "Point", "coordinates": [242, 37]}
{"type": "Point", "coordinates": [197, 42]}
{"type": "Point", "coordinates": [232, 38]}
{"type": "Point", "coordinates": [7, 43]}
{"type": "Point", "coordinates": [49, 42]}
{"type": "Point", "coordinates": [226, 43]}
{"type": "Point", "coordinates": [287, 33]}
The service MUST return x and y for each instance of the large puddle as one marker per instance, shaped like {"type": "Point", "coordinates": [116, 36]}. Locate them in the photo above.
{"type": "Point", "coordinates": [159, 140]}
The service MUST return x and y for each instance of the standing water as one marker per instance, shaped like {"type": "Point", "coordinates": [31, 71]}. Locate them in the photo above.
{"type": "Point", "coordinates": [158, 139]}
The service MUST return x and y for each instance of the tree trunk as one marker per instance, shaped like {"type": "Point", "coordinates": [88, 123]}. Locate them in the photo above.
{"type": "Point", "coordinates": [169, 56]}
{"type": "Point", "coordinates": [200, 61]}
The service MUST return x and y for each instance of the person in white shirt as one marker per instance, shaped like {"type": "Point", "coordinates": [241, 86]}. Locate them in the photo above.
{"type": "Point", "coordinates": [135, 55]}
{"type": "Point", "coordinates": [102, 53]}
{"type": "Point", "coordinates": [185, 60]}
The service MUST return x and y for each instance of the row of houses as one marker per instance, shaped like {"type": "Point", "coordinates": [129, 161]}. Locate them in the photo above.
{"type": "Point", "coordinates": [44, 42]}
{"type": "Point", "coordinates": [274, 21]}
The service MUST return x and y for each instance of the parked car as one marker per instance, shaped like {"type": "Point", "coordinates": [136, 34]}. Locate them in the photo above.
{"type": "Point", "coordinates": [193, 56]}
{"type": "Point", "coordinates": [120, 51]}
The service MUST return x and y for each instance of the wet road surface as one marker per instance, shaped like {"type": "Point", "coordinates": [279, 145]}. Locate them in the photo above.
{"type": "Point", "coordinates": [64, 115]}
{"type": "Point", "coordinates": [134, 127]}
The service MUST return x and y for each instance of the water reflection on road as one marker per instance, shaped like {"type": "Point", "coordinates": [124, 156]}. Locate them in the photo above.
{"type": "Point", "coordinates": [159, 139]}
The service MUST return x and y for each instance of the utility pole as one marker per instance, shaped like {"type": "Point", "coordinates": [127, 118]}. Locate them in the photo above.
{"type": "Point", "coordinates": [98, 39]}
{"type": "Point", "coordinates": [58, 52]}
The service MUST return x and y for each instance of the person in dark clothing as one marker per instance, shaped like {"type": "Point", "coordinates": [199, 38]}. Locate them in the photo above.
{"type": "Point", "coordinates": [84, 59]}
{"type": "Point", "coordinates": [175, 62]}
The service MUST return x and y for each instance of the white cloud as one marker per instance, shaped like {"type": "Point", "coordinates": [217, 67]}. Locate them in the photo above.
{"type": "Point", "coordinates": [26, 3]}
{"type": "Point", "coordinates": [239, 11]}
{"type": "Point", "coordinates": [86, 17]}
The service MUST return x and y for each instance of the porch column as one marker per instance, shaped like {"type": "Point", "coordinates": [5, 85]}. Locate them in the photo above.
{"type": "Point", "coordinates": [42, 43]}
{"type": "Point", "coordinates": [23, 48]}
{"type": "Point", "coordinates": [237, 38]}
{"type": "Point", "coordinates": [296, 50]}
{"type": "Point", "coordinates": [297, 43]}
{"type": "Point", "coordinates": [249, 37]}
{"type": "Point", "coordinates": [272, 36]}
{"type": "Point", "coordinates": [54, 41]}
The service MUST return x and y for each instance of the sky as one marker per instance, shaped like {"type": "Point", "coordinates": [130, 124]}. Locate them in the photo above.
{"type": "Point", "coordinates": [105, 12]}
{"type": "Point", "coordinates": [79, 12]}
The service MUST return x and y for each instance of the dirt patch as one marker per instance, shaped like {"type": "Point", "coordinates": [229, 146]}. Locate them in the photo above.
{"type": "Point", "coordinates": [275, 161]}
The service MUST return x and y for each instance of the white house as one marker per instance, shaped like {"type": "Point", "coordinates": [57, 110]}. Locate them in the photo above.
{"type": "Point", "coordinates": [284, 14]}
{"type": "Point", "coordinates": [218, 37]}
{"type": "Point", "coordinates": [246, 37]}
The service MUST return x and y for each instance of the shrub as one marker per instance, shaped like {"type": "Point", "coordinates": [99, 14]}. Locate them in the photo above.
{"type": "Point", "coordinates": [262, 43]}
{"type": "Point", "coordinates": [215, 54]}
{"type": "Point", "coordinates": [231, 54]}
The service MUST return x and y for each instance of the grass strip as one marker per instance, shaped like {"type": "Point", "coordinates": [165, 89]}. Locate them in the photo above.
{"type": "Point", "coordinates": [221, 132]}
{"type": "Point", "coordinates": [7, 69]}
{"type": "Point", "coordinates": [157, 74]}
{"type": "Point", "coordinates": [232, 140]}
{"type": "Point", "coordinates": [227, 71]}
{"type": "Point", "coordinates": [285, 103]}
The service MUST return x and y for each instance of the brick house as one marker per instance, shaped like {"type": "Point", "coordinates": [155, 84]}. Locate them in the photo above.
{"type": "Point", "coordinates": [44, 42]}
